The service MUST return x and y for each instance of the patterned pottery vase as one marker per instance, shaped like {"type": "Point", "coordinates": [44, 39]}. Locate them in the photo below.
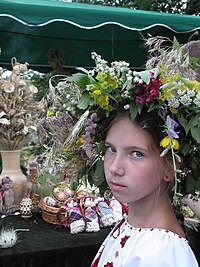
{"type": "Point", "coordinates": [11, 168]}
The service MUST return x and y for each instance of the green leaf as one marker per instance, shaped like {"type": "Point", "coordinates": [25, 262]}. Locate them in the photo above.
{"type": "Point", "coordinates": [133, 111]}
{"type": "Point", "coordinates": [185, 149]}
{"type": "Point", "coordinates": [99, 175]}
{"type": "Point", "coordinates": [80, 79]}
{"type": "Point", "coordinates": [195, 131]}
{"type": "Point", "coordinates": [192, 184]}
{"type": "Point", "coordinates": [103, 187]}
{"type": "Point", "coordinates": [156, 72]}
{"type": "Point", "coordinates": [192, 124]}
{"type": "Point", "coordinates": [182, 121]}
{"type": "Point", "coordinates": [85, 101]}
{"type": "Point", "coordinates": [144, 75]}
{"type": "Point", "coordinates": [176, 44]}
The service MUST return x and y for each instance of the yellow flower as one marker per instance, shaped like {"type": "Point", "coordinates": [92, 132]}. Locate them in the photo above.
{"type": "Point", "coordinates": [51, 112]}
{"type": "Point", "coordinates": [101, 76]}
{"type": "Point", "coordinates": [166, 141]}
{"type": "Point", "coordinates": [173, 110]}
{"type": "Point", "coordinates": [105, 102]}
{"type": "Point", "coordinates": [97, 92]}
{"type": "Point", "coordinates": [164, 94]}
{"type": "Point", "coordinates": [175, 144]}
{"type": "Point", "coordinates": [66, 149]}
{"type": "Point", "coordinates": [79, 142]}
{"type": "Point", "coordinates": [113, 81]}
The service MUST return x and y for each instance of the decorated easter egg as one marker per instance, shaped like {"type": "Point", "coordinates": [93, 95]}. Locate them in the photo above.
{"type": "Point", "coordinates": [61, 192]}
{"type": "Point", "coordinates": [26, 207]}
{"type": "Point", "coordinates": [50, 201]}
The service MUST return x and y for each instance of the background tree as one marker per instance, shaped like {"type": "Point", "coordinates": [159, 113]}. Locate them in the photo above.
{"type": "Point", "coordinates": [168, 6]}
{"type": "Point", "coordinates": [190, 7]}
{"type": "Point", "coordinates": [193, 7]}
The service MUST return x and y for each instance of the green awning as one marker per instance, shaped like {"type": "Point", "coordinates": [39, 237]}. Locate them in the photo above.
{"type": "Point", "coordinates": [30, 29]}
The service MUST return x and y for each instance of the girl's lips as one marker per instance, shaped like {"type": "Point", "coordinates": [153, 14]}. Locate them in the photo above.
{"type": "Point", "coordinates": [116, 186]}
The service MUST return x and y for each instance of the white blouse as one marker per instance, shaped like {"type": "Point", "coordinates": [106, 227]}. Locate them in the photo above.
{"type": "Point", "coordinates": [127, 246]}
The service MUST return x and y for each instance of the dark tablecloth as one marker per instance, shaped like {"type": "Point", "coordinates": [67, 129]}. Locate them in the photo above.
{"type": "Point", "coordinates": [47, 246]}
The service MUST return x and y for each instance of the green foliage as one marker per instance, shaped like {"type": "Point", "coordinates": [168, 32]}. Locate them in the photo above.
{"type": "Point", "coordinates": [41, 81]}
{"type": "Point", "coordinates": [46, 182]}
{"type": "Point", "coordinates": [190, 7]}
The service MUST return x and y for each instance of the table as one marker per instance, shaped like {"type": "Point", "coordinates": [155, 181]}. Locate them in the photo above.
{"type": "Point", "coordinates": [45, 245]}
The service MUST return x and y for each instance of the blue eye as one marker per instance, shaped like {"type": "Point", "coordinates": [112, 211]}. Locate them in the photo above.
{"type": "Point", "coordinates": [110, 149]}
{"type": "Point", "coordinates": [137, 154]}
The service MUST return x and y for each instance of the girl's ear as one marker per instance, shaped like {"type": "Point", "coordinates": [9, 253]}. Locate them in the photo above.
{"type": "Point", "coordinates": [169, 171]}
{"type": "Point", "coordinates": [168, 176]}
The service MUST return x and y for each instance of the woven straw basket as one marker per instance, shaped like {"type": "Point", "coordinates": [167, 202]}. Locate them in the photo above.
{"type": "Point", "coordinates": [49, 214]}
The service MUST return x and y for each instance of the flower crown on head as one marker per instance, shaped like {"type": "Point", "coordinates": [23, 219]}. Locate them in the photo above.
{"type": "Point", "coordinates": [165, 88]}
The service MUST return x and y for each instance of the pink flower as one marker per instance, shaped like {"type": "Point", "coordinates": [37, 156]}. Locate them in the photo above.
{"type": "Point", "coordinates": [145, 93]}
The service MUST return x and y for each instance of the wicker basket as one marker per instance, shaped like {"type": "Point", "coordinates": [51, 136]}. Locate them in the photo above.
{"type": "Point", "coordinates": [50, 214]}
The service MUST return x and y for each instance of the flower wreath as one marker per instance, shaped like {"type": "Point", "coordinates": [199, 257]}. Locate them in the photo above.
{"type": "Point", "coordinates": [167, 88]}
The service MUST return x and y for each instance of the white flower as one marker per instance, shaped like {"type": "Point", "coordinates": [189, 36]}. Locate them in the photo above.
{"type": "Point", "coordinates": [185, 100]}
{"type": "Point", "coordinates": [91, 72]}
{"type": "Point", "coordinates": [2, 113]}
{"type": "Point", "coordinates": [126, 107]}
{"type": "Point", "coordinates": [4, 121]}
{"type": "Point", "coordinates": [181, 92]}
{"type": "Point", "coordinates": [140, 81]}
{"type": "Point", "coordinates": [93, 55]}
{"type": "Point", "coordinates": [190, 93]}
{"type": "Point", "coordinates": [9, 87]}
{"type": "Point", "coordinates": [33, 128]}
{"type": "Point", "coordinates": [136, 79]}
{"type": "Point", "coordinates": [88, 86]}
{"type": "Point", "coordinates": [22, 83]}
{"type": "Point", "coordinates": [197, 100]}
{"type": "Point", "coordinates": [33, 89]}
{"type": "Point", "coordinates": [173, 102]}
{"type": "Point", "coordinates": [25, 130]}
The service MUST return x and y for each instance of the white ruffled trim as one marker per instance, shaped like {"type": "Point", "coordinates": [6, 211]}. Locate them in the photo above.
{"type": "Point", "coordinates": [77, 227]}
{"type": "Point", "coordinates": [92, 227]}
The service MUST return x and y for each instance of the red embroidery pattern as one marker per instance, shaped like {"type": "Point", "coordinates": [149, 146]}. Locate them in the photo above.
{"type": "Point", "coordinates": [95, 263]}
{"type": "Point", "coordinates": [109, 264]}
{"type": "Point", "coordinates": [123, 240]}
{"type": "Point", "coordinates": [116, 254]}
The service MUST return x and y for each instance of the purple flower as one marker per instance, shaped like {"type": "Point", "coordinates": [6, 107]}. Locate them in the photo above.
{"type": "Point", "coordinates": [89, 131]}
{"type": "Point", "coordinates": [172, 125]}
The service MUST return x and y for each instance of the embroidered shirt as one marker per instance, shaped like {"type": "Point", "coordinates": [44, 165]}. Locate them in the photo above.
{"type": "Point", "coordinates": [127, 246]}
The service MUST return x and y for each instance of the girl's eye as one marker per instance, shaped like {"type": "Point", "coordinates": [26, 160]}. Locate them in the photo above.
{"type": "Point", "coordinates": [137, 154]}
{"type": "Point", "coordinates": [110, 149]}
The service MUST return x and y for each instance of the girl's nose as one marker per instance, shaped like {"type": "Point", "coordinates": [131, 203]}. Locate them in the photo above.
{"type": "Point", "coordinates": [116, 166]}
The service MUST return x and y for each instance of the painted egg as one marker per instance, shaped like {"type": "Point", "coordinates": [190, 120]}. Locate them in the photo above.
{"type": "Point", "coordinates": [61, 192]}
{"type": "Point", "coordinates": [26, 207]}
{"type": "Point", "coordinates": [50, 201]}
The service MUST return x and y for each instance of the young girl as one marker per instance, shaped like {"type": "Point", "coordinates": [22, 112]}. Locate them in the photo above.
{"type": "Point", "coordinates": [145, 140]}
{"type": "Point", "coordinates": [150, 236]}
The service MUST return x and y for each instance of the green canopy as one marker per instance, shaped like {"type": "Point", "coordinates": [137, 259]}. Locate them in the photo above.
{"type": "Point", "coordinates": [30, 29]}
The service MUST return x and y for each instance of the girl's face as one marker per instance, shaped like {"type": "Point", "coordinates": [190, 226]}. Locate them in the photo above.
{"type": "Point", "coordinates": [133, 171]}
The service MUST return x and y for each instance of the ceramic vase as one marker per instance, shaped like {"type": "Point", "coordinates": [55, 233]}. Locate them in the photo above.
{"type": "Point", "coordinates": [11, 168]}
